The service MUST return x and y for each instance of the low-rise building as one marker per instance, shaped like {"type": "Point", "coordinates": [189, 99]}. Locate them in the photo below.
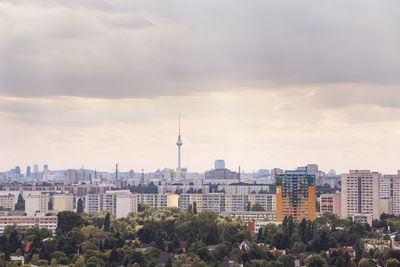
{"type": "Point", "coordinates": [49, 222]}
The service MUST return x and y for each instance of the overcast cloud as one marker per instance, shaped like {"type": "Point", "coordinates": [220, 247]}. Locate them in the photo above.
{"type": "Point", "coordinates": [255, 81]}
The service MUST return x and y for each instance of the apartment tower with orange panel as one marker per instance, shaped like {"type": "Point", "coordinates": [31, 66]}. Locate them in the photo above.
{"type": "Point", "coordinates": [295, 196]}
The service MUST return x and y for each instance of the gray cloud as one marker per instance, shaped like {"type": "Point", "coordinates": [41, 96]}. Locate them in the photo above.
{"type": "Point", "coordinates": [145, 49]}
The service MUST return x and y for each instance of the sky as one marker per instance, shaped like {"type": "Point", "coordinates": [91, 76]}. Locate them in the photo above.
{"type": "Point", "coordinates": [261, 84]}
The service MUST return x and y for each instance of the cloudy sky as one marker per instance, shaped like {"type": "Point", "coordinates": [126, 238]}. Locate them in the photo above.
{"type": "Point", "coordinates": [261, 84]}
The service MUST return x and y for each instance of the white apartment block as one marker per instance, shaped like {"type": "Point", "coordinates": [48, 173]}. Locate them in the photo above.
{"type": "Point", "coordinates": [204, 202]}
{"type": "Point", "coordinates": [360, 193]}
{"type": "Point", "coordinates": [36, 203]}
{"type": "Point", "coordinates": [234, 189]}
{"type": "Point", "coordinates": [95, 203]}
{"type": "Point", "coordinates": [49, 222]}
{"type": "Point", "coordinates": [159, 200]}
{"type": "Point", "coordinates": [126, 203]}
{"type": "Point", "coordinates": [385, 186]}
{"type": "Point", "coordinates": [7, 201]}
{"type": "Point", "coordinates": [268, 216]}
{"type": "Point", "coordinates": [219, 203]}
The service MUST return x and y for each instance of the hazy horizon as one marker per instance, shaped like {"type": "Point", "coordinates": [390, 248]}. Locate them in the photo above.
{"type": "Point", "coordinates": [262, 85]}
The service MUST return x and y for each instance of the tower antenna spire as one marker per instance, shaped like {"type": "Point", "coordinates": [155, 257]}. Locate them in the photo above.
{"type": "Point", "coordinates": [179, 142]}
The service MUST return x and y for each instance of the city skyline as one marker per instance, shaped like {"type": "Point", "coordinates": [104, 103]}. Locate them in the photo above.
{"type": "Point", "coordinates": [273, 84]}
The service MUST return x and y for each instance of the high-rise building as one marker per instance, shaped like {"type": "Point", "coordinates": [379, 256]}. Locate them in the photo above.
{"type": "Point", "coordinates": [70, 176]}
{"type": "Point", "coordinates": [219, 164]}
{"type": "Point", "coordinates": [28, 171]}
{"type": "Point", "coordinates": [36, 203]}
{"type": "Point", "coordinates": [35, 168]}
{"type": "Point", "coordinates": [295, 196]}
{"type": "Point", "coordinates": [360, 193]}
{"type": "Point", "coordinates": [45, 168]}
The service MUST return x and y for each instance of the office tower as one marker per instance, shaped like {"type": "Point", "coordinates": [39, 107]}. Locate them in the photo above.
{"type": "Point", "coordinates": [28, 171]}
{"type": "Point", "coordinates": [70, 176]}
{"type": "Point", "coordinates": [18, 171]}
{"type": "Point", "coordinates": [295, 196]}
{"type": "Point", "coordinates": [36, 203]}
{"type": "Point", "coordinates": [179, 143]}
{"type": "Point", "coordinates": [45, 168]}
{"type": "Point", "coordinates": [219, 164]}
{"type": "Point", "coordinates": [360, 193]}
{"type": "Point", "coordinates": [35, 168]}
{"type": "Point", "coordinates": [330, 203]}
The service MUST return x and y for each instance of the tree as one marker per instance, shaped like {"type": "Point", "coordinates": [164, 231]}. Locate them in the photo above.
{"type": "Point", "coordinates": [50, 205]}
{"type": "Point", "coordinates": [168, 263]}
{"type": "Point", "coordinates": [194, 207]}
{"type": "Point", "coordinates": [392, 263]}
{"type": "Point", "coordinates": [79, 208]}
{"type": "Point", "coordinates": [67, 220]}
{"type": "Point", "coordinates": [20, 203]}
{"type": "Point", "coordinates": [248, 206]}
{"type": "Point", "coordinates": [316, 261]}
{"type": "Point", "coordinates": [257, 207]}
{"type": "Point", "coordinates": [107, 223]}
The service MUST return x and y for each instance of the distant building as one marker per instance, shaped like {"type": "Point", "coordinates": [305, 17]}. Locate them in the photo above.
{"type": "Point", "coordinates": [295, 196]}
{"type": "Point", "coordinates": [7, 201]}
{"type": "Point", "coordinates": [70, 176]}
{"type": "Point", "coordinates": [35, 168]}
{"type": "Point", "coordinates": [159, 200]}
{"type": "Point", "coordinates": [28, 171]}
{"type": "Point", "coordinates": [363, 218]}
{"type": "Point", "coordinates": [219, 164]}
{"type": "Point", "coordinates": [126, 204]}
{"type": "Point", "coordinates": [63, 202]}
{"type": "Point", "coordinates": [360, 193]}
{"type": "Point", "coordinates": [221, 174]}
{"type": "Point", "coordinates": [49, 222]}
{"type": "Point", "coordinates": [36, 204]}
{"type": "Point", "coordinates": [330, 203]}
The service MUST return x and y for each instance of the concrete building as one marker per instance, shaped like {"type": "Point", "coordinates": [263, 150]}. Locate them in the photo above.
{"type": "Point", "coordinates": [8, 201]}
{"type": "Point", "coordinates": [95, 203]}
{"type": "Point", "coordinates": [330, 203]}
{"type": "Point", "coordinates": [386, 206]}
{"type": "Point", "coordinates": [295, 196]}
{"type": "Point", "coordinates": [243, 188]}
{"type": "Point", "coordinates": [70, 177]}
{"type": "Point", "coordinates": [159, 200]}
{"type": "Point", "coordinates": [126, 203]}
{"type": "Point", "coordinates": [363, 218]}
{"type": "Point", "coordinates": [360, 193]}
{"type": "Point", "coordinates": [49, 222]}
{"type": "Point", "coordinates": [36, 204]}
{"type": "Point", "coordinates": [221, 174]}
{"type": "Point", "coordinates": [252, 215]}
{"type": "Point", "coordinates": [63, 202]}
{"type": "Point", "coordinates": [204, 202]}
{"type": "Point", "coordinates": [219, 164]}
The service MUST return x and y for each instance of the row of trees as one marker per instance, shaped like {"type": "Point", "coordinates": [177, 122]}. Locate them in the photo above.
{"type": "Point", "coordinates": [201, 239]}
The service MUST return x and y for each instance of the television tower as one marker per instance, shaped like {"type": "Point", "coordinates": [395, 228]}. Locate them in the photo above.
{"type": "Point", "coordinates": [179, 143]}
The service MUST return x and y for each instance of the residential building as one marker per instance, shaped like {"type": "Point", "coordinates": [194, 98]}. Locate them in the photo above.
{"type": "Point", "coordinates": [7, 201]}
{"type": "Point", "coordinates": [221, 174]}
{"type": "Point", "coordinates": [360, 193]}
{"type": "Point", "coordinates": [126, 203]}
{"type": "Point", "coordinates": [63, 202]}
{"type": "Point", "coordinates": [49, 222]}
{"type": "Point", "coordinates": [36, 203]}
{"type": "Point", "coordinates": [330, 203]}
{"type": "Point", "coordinates": [269, 216]}
{"type": "Point", "coordinates": [70, 177]}
{"type": "Point", "coordinates": [295, 196]}
{"type": "Point", "coordinates": [159, 200]}
{"type": "Point", "coordinates": [363, 218]}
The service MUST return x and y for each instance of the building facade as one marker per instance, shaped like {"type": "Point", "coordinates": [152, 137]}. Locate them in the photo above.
{"type": "Point", "coordinates": [360, 193]}
{"type": "Point", "coordinates": [295, 196]}
{"type": "Point", "coordinates": [49, 222]}
{"type": "Point", "coordinates": [330, 203]}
